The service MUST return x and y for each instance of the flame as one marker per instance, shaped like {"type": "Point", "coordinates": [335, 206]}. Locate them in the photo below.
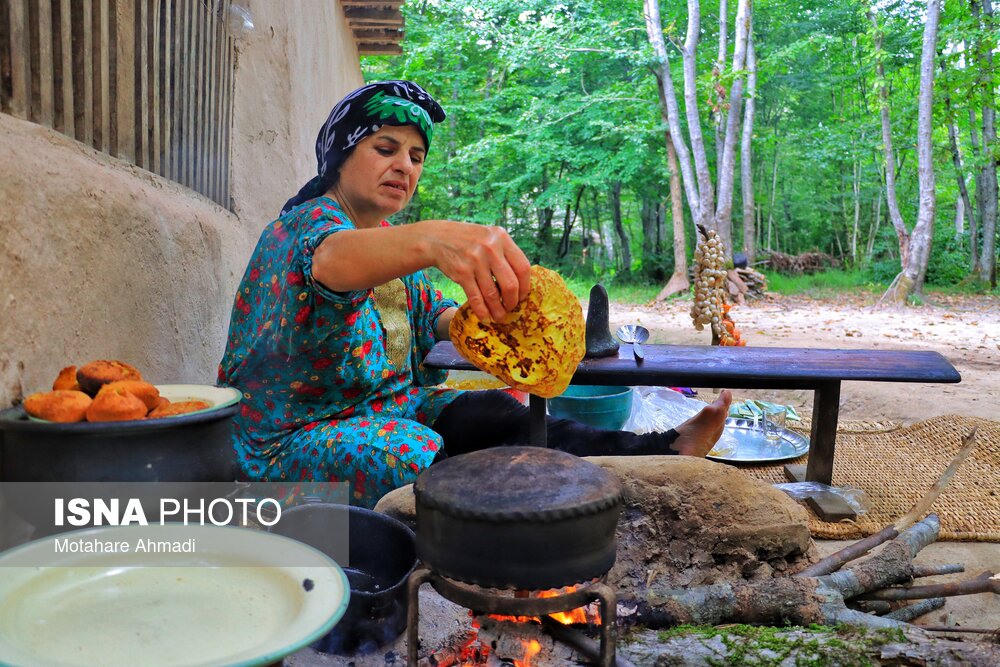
{"type": "Point", "coordinates": [531, 649]}
{"type": "Point", "coordinates": [474, 653]}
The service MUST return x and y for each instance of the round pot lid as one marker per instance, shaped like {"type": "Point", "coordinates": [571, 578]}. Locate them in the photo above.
{"type": "Point", "coordinates": [517, 484]}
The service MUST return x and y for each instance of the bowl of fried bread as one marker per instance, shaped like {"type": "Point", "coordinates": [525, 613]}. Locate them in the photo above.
{"type": "Point", "coordinates": [104, 422]}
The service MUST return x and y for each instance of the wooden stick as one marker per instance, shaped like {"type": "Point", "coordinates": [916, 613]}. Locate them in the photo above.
{"type": "Point", "coordinates": [925, 503]}
{"type": "Point", "coordinates": [834, 561]}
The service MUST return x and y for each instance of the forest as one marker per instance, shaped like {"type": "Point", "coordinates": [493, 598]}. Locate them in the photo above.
{"type": "Point", "coordinates": [600, 133]}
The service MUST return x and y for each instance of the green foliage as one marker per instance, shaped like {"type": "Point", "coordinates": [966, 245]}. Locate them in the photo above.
{"type": "Point", "coordinates": [619, 291]}
{"type": "Point", "coordinates": [766, 646]}
{"type": "Point", "coordinates": [824, 284]}
{"type": "Point", "coordinates": [552, 105]}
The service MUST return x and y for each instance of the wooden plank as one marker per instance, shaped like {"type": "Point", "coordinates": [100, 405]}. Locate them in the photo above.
{"type": "Point", "coordinates": [66, 38]}
{"type": "Point", "coordinates": [745, 367]}
{"type": "Point", "coordinates": [385, 35]}
{"type": "Point", "coordinates": [365, 49]}
{"type": "Point", "coordinates": [20, 63]}
{"type": "Point", "coordinates": [5, 51]}
{"type": "Point", "coordinates": [214, 81]}
{"type": "Point", "coordinates": [142, 153]}
{"type": "Point", "coordinates": [45, 112]}
{"type": "Point", "coordinates": [168, 69]}
{"type": "Point", "coordinates": [371, 14]}
{"type": "Point", "coordinates": [200, 156]}
{"type": "Point", "coordinates": [103, 108]}
{"type": "Point", "coordinates": [176, 88]}
{"type": "Point", "coordinates": [191, 26]}
{"type": "Point", "coordinates": [85, 29]}
{"type": "Point", "coordinates": [154, 98]}
{"type": "Point", "coordinates": [381, 4]}
{"type": "Point", "coordinates": [227, 122]}
{"type": "Point", "coordinates": [125, 53]}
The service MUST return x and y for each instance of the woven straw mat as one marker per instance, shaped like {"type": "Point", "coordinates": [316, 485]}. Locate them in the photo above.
{"type": "Point", "coordinates": [896, 466]}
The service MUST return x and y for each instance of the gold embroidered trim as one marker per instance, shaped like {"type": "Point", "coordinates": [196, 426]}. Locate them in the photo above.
{"type": "Point", "coordinates": [390, 301]}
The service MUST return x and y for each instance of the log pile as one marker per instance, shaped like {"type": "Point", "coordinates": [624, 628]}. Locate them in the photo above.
{"type": "Point", "coordinates": [796, 265]}
{"type": "Point", "coordinates": [745, 285]}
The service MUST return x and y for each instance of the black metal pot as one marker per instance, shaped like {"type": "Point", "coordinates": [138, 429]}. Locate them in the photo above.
{"type": "Point", "coordinates": [185, 448]}
{"type": "Point", "coordinates": [382, 553]}
{"type": "Point", "coordinates": [517, 517]}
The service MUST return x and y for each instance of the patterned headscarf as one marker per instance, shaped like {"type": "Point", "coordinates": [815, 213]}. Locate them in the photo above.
{"type": "Point", "coordinates": [360, 114]}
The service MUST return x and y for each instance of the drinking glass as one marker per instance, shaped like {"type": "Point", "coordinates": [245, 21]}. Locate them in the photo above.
{"type": "Point", "coordinates": [774, 423]}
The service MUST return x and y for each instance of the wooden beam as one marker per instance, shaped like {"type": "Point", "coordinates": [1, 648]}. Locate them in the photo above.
{"type": "Point", "coordinates": [383, 35]}
{"type": "Point", "coordinates": [370, 14]}
{"type": "Point", "coordinates": [372, 3]}
{"type": "Point", "coordinates": [379, 49]}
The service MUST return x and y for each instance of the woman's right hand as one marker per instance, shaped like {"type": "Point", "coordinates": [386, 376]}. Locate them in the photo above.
{"type": "Point", "coordinates": [484, 261]}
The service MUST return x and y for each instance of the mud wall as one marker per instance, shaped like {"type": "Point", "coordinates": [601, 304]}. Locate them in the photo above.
{"type": "Point", "coordinates": [100, 259]}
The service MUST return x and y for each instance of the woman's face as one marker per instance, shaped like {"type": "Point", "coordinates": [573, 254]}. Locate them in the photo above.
{"type": "Point", "coordinates": [380, 175]}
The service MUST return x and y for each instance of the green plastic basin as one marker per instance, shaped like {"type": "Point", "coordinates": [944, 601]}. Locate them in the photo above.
{"type": "Point", "coordinates": [597, 405]}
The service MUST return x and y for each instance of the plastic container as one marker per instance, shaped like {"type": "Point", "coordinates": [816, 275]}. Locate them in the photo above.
{"type": "Point", "coordinates": [597, 405]}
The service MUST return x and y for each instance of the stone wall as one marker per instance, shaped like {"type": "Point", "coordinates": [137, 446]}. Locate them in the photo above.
{"type": "Point", "coordinates": [100, 259]}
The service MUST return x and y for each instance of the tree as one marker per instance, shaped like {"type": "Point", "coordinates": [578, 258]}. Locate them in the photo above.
{"type": "Point", "coordinates": [714, 212]}
{"type": "Point", "coordinates": [915, 246]}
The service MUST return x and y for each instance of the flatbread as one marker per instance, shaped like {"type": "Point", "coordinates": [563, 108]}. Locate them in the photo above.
{"type": "Point", "coordinates": [536, 347]}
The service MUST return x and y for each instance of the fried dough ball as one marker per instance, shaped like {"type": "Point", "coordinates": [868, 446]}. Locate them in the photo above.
{"type": "Point", "coordinates": [161, 402]}
{"type": "Point", "coordinates": [178, 408]}
{"type": "Point", "coordinates": [66, 380]}
{"type": "Point", "coordinates": [94, 375]}
{"type": "Point", "coordinates": [147, 393]}
{"type": "Point", "coordinates": [115, 405]}
{"type": "Point", "coordinates": [61, 405]}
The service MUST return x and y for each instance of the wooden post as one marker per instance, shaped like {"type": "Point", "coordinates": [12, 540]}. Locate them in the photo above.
{"type": "Point", "coordinates": [20, 63]}
{"type": "Point", "coordinates": [125, 79]}
{"type": "Point", "coordinates": [44, 113]}
{"type": "Point", "coordinates": [66, 39]}
{"type": "Point", "coordinates": [102, 97]}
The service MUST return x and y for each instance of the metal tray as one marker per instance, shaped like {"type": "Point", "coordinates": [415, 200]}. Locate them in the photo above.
{"type": "Point", "coordinates": [742, 442]}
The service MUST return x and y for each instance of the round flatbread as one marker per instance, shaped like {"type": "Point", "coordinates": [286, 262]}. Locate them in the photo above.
{"type": "Point", "coordinates": [537, 346]}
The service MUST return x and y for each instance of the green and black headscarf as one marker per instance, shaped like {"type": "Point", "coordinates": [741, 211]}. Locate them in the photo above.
{"type": "Point", "coordinates": [360, 114]}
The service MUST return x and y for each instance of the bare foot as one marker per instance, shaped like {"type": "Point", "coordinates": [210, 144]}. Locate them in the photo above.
{"type": "Point", "coordinates": [698, 435]}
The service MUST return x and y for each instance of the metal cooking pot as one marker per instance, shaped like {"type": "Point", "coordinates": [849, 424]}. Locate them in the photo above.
{"type": "Point", "coordinates": [185, 448]}
{"type": "Point", "coordinates": [517, 517]}
{"type": "Point", "coordinates": [381, 555]}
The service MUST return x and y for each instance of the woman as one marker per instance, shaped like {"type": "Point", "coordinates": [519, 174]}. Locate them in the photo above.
{"type": "Point", "coordinates": [334, 317]}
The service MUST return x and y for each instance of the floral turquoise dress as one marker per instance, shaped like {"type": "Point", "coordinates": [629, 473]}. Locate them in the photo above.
{"type": "Point", "coordinates": [333, 385]}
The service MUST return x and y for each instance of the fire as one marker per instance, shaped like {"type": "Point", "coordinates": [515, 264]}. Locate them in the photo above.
{"type": "Point", "coordinates": [530, 651]}
{"type": "Point", "coordinates": [474, 653]}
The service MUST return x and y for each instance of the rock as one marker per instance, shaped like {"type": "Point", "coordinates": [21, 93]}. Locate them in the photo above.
{"type": "Point", "coordinates": [689, 521]}
{"type": "Point", "coordinates": [400, 504]}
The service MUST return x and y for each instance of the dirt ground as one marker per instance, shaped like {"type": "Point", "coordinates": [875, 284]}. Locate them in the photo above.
{"type": "Point", "coordinates": [966, 330]}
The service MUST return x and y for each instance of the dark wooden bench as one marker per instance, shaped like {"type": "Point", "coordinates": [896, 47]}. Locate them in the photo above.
{"type": "Point", "coordinates": [820, 370]}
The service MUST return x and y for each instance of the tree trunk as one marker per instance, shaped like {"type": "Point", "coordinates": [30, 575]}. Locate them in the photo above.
{"type": "Point", "coordinates": [956, 160]}
{"type": "Point", "coordinates": [679, 280]}
{"type": "Point", "coordinates": [746, 155]}
{"type": "Point", "coordinates": [568, 223]}
{"type": "Point", "coordinates": [774, 198]}
{"type": "Point", "coordinates": [977, 176]}
{"type": "Point", "coordinates": [719, 91]}
{"type": "Point", "coordinates": [616, 212]}
{"type": "Point", "coordinates": [669, 108]}
{"type": "Point", "coordinates": [914, 266]}
{"type": "Point", "coordinates": [726, 171]}
{"type": "Point", "coordinates": [988, 204]}
{"type": "Point", "coordinates": [895, 216]}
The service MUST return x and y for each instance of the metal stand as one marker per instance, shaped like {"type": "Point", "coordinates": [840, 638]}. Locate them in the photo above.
{"type": "Point", "coordinates": [479, 600]}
